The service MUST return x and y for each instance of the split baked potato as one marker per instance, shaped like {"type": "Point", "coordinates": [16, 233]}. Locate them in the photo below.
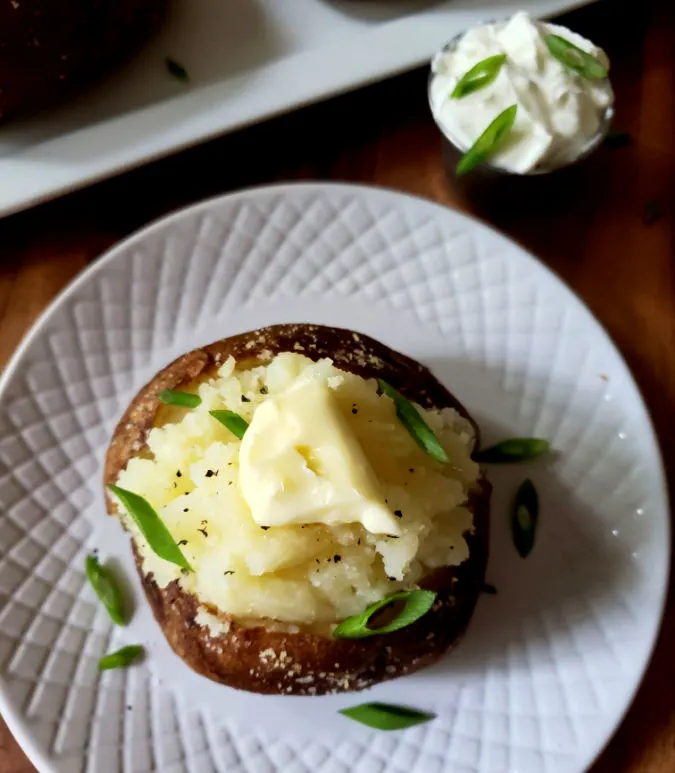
{"type": "Point", "coordinates": [265, 621]}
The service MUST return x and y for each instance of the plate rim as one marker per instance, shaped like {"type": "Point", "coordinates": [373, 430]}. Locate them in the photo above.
{"type": "Point", "coordinates": [16, 724]}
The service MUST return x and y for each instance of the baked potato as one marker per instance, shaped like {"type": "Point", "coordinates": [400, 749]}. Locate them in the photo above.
{"type": "Point", "coordinates": [48, 50]}
{"type": "Point", "coordinates": [292, 653]}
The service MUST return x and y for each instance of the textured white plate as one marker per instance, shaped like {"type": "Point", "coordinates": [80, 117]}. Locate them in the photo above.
{"type": "Point", "coordinates": [248, 60]}
{"type": "Point", "coordinates": [549, 664]}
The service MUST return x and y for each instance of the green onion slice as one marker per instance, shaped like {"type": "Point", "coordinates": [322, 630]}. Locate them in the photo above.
{"type": "Point", "coordinates": [181, 399]}
{"type": "Point", "coordinates": [524, 518]}
{"type": "Point", "coordinates": [575, 58]}
{"type": "Point", "coordinates": [418, 429]}
{"type": "Point", "coordinates": [106, 589]}
{"type": "Point", "coordinates": [488, 142]}
{"type": "Point", "coordinates": [514, 450]}
{"type": "Point", "coordinates": [233, 421]}
{"type": "Point", "coordinates": [176, 70]}
{"type": "Point", "coordinates": [416, 604]}
{"type": "Point", "coordinates": [479, 76]}
{"type": "Point", "coordinates": [152, 527]}
{"type": "Point", "coordinates": [120, 659]}
{"type": "Point", "coordinates": [383, 716]}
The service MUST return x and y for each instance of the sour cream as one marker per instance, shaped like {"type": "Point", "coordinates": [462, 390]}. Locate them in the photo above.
{"type": "Point", "coordinates": [559, 112]}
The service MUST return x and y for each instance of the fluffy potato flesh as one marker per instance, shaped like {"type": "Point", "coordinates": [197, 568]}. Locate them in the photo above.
{"type": "Point", "coordinates": [309, 573]}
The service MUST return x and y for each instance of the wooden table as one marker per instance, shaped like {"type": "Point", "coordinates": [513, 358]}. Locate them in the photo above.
{"type": "Point", "coordinates": [610, 235]}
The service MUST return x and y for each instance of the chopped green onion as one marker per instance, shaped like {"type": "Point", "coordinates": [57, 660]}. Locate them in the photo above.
{"type": "Point", "coordinates": [177, 70]}
{"type": "Point", "coordinates": [152, 527]}
{"type": "Point", "coordinates": [416, 604]}
{"type": "Point", "coordinates": [514, 450]}
{"type": "Point", "coordinates": [233, 421]}
{"type": "Point", "coordinates": [383, 716]}
{"type": "Point", "coordinates": [488, 142]}
{"type": "Point", "coordinates": [418, 429]}
{"type": "Point", "coordinates": [106, 589]}
{"type": "Point", "coordinates": [120, 659]}
{"type": "Point", "coordinates": [524, 518]}
{"type": "Point", "coordinates": [181, 399]}
{"type": "Point", "coordinates": [479, 76]}
{"type": "Point", "coordinates": [575, 58]}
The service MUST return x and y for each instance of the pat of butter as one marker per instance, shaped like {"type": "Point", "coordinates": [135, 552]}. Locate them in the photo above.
{"type": "Point", "coordinates": [300, 462]}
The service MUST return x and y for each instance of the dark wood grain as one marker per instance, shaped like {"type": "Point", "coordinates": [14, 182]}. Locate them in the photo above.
{"type": "Point", "coordinates": [598, 232]}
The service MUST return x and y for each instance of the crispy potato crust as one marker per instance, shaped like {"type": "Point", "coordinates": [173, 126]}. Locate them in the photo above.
{"type": "Point", "coordinates": [274, 661]}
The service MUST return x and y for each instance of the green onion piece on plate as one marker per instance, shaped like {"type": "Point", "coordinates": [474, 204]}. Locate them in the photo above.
{"type": "Point", "coordinates": [152, 527]}
{"type": "Point", "coordinates": [106, 589]}
{"type": "Point", "coordinates": [418, 429]}
{"type": "Point", "coordinates": [479, 76]}
{"type": "Point", "coordinates": [383, 716]}
{"type": "Point", "coordinates": [416, 603]}
{"type": "Point", "coordinates": [524, 518]}
{"type": "Point", "coordinates": [120, 659]}
{"type": "Point", "coordinates": [489, 141]}
{"type": "Point", "coordinates": [180, 399]}
{"type": "Point", "coordinates": [176, 70]}
{"type": "Point", "coordinates": [233, 421]}
{"type": "Point", "coordinates": [575, 58]}
{"type": "Point", "coordinates": [519, 449]}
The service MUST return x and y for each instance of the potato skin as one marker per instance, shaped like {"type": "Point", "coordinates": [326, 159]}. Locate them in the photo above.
{"type": "Point", "coordinates": [50, 48]}
{"type": "Point", "coordinates": [270, 661]}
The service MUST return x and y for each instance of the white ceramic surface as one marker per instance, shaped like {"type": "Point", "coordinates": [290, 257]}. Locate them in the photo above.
{"type": "Point", "coordinates": [247, 60]}
{"type": "Point", "coordinates": [549, 664]}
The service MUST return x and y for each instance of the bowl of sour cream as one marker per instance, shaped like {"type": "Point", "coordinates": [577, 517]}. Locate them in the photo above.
{"type": "Point", "coordinates": [520, 97]}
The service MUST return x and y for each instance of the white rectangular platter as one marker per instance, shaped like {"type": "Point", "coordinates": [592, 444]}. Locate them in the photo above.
{"type": "Point", "coordinates": [247, 60]}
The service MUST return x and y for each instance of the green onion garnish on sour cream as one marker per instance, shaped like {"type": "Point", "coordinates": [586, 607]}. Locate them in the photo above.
{"type": "Point", "coordinates": [489, 141]}
{"type": "Point", "coordinates": [479, 76]}
{"type": "Point", "coordinates": [575, 58]}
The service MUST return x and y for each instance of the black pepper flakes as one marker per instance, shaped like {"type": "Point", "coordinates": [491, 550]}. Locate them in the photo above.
{"type": "Point", "coordinates": [355, 411]}
{"type": "Point", "coordinates": [211, 473]}
{"type": "Point", "coordinates": [186, 509]}
{"type": "Point", "coordinates": [264, 390]}
{"type": "Point", "coordinates": [179, 474]}
{"type": "Point", "coordinates": [264, 528]}
{"type": "Point", "coordinates": [411, 469]}
{"type": "Point", "coordinates": [391, 579]}
{"type": "Point", "coordinates": [245, 399]}
{"type": "Point", "coordinates": [337, 558]}
{"type": "Point", "coordinates": [204, 532]}
{"type": "Point", "coordinates": [229, 482]}
{"type": "Point", "coordinates": [185, 572]}
{"type": "Point", "coordinates": [182, 542]}
{"type": "Point", "coordinates": [398, 513]}
{"type": "Point", "coordinates": [228, 571]}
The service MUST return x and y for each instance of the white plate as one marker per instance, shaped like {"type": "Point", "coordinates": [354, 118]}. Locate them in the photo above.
{"type": "Point", "coordinates": [549, 664]}
{"type": "Point", "coordinates": [248, 60]}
